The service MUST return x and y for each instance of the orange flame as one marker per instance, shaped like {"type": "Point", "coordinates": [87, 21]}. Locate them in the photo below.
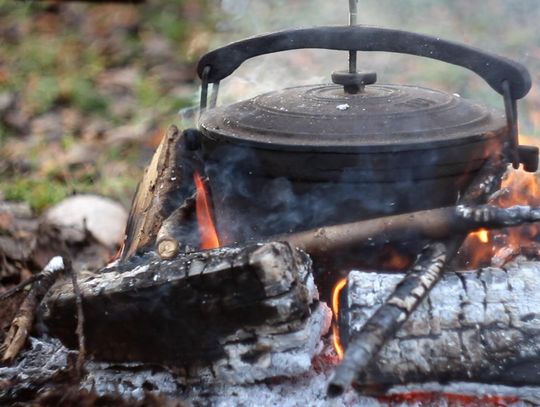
{"type": "Point", "coordinates": [499, 246]}
{"type": "Point", "coordinates": [207, 229]}
{"type": "Point", "coordinates": [482, 235]}
{"type": "Point", "coordinates": [335, 310]}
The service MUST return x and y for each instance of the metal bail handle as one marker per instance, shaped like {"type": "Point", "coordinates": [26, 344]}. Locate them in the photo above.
{"type": "Point", "coordinates": [492, 68]}
{"type": "Point", "coordinates": [507, 77]}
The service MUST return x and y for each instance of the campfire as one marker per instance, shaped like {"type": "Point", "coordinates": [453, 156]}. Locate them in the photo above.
{"type": "Point", "coordinates": [486, 248]}
{"type": "Point", "coordinates": [372, 237]}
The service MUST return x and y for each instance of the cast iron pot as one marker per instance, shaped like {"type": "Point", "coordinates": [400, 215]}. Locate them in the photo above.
{"type": "Point", "coordinates": [326, 154]}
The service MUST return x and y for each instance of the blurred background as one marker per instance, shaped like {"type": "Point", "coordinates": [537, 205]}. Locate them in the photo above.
{"type": "Point", "coordinates": [87, 89]}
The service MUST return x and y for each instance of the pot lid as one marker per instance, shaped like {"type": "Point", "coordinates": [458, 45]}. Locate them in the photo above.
{"type": "Point", "coordinates": [325, 118]}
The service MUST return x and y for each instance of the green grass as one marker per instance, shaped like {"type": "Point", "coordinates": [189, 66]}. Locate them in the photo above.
{"type": "Point", "coordinates": [51, 63]}
{"type": "Point", "coordinates": [39, 193]}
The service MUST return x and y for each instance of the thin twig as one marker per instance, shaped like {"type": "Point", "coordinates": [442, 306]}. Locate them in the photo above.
{"type": "Point", "coordinates": [14, 290]}
{"type": "Point", "coordinates": [81, 357]}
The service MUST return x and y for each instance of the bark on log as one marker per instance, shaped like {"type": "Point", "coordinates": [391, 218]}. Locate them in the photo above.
{"type": "Point", "coordinates": [221, 307]}
{"type": "Point", "coordinates": [478, 326]}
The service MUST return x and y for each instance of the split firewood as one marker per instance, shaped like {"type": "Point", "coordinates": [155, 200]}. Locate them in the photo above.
{"type": "Point", "coordinates": [24, 318]}
{"type": "Point", "coordinates": [479, 326]}
{"type": "Point", "coordinates": [167, 183]}
{"type": "Point", "coordinates": [175, 228]}
{"type": "Point", "coordinates": [228, 308]}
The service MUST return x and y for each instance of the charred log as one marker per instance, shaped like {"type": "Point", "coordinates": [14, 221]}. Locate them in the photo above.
{"type": "Point", "coordinates": [479, 326]}
{"type": "Point", "coordinates": [224, 308]}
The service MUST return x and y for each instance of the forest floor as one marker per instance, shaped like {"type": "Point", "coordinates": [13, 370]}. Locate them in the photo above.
{"type": "Point", "coordinates": [87, 90]}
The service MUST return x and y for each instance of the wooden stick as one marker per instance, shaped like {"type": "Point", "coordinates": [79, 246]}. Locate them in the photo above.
{"type": "Point", "coordinates": [23, 320]}
{"type": "Point", "coordinates": [80, 318]}
{"type": "Point", "coordinates": [173, 228]}
{"type": "Point", "coordinates": [20, 286]}
{"type": "Point", "coordinates": [440, 223]}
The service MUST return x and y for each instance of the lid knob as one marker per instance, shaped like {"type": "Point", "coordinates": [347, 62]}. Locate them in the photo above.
{"type": "Point", "coordinates": [353, 82]}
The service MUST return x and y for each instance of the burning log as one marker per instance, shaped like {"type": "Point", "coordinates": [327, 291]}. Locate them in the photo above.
{"type": "Point", "coordinates": [475, 326]}
{"type": "Point", "coordinates": [223, 309]}
{"type": "Point", "coordinates": [414, 287]}
{"type": "Point", "coordinates": [166, 184]}
{"type": "Point", "coordinates": [384, 323]}
{"type": "Point", "coordinates": [167, 243]}
{"type": "Point", "coordinates": [437, 224]}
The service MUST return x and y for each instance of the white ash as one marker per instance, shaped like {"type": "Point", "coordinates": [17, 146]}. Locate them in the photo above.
{"type": "Point", "coordinates": [473, 325]}
{"type": "Point", "coordinates": [45, 357]}
{"type": "Point", "coordinates": [304, 390]}
{"type": "Point", "coordinates": [131, 381]}
{"type": "Point", "coordinates": [285, 354]}
{"type": "Point", "coordinates": [35, 367]}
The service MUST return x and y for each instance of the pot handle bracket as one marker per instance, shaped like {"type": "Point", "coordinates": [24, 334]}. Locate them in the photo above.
{"type": "Point", "coordinates": [507, 77]}
{"type": "Point", "coordinates": [526, 155]}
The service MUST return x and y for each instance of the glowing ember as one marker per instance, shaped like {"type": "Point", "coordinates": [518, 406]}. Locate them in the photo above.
{"type": "Point", "coordinates": [207, 229]}
{"type": "Point", "coordinates": [391, 258]}
{"type": "Point", "coordinates": [335, 310]}
{"type": "Point", "coordinates": [482, 235]}
{"type": "Point", "coordinates": [451, 399]}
